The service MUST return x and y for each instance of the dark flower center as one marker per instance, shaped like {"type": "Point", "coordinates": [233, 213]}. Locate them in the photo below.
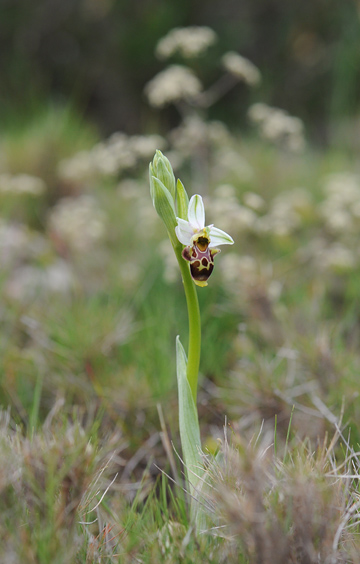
{"type": "Point", "coordinates": [202, 243]}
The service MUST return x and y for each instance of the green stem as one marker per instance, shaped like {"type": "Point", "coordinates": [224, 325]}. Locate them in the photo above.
{"type": "Point", "coordinates": [194, 323]}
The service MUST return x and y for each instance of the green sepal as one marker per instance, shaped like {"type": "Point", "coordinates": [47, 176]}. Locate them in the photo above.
{"type": "Point", "coordinates": [164, 205]}
{"type": "Point", "coordinates": [182, 200]}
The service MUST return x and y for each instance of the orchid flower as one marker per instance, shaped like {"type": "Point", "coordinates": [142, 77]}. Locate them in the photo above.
{"type": "Point", "coordinates": [200, 241]}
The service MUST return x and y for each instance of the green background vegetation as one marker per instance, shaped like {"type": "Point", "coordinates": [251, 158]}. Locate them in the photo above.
{"type": "Point", "coordinates": [89, 439]}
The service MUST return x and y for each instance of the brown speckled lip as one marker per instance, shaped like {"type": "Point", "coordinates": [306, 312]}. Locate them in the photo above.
{"type": "Point", "coordinates": [201, 259]}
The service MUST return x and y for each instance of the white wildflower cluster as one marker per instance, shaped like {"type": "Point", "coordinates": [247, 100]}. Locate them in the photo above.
{"type": "Point", "coordinates": [228, 212]}
{"type": "Point", "coordinates": [180, 84]}
{"type": "Point", "coordinates": [340, 213]}
{"type": "Point", "coordinates": [341, 207]}
{"type": "Point", "coordinates": [237, 268]}
{"type": "Point", "coordinates": [14, 242]}
{"type": "Point", "coordinates": [190, 135]}
{"type": "Point", "coordinates": [324, 256]}
{"type": "Point", "coordinates": [78, 222]}
{"type": "Point", "coordinates": [242, 273]}
{"type": "Point", "coordinates": [207, 144]}
{"type": "Point", "coordinates": [286, 213]}
{"type": "Point", "coordinates": [337, 257]}
{"type": "Point", "coordinates": [19, 247]}
{"type": "Point", "coordinates": [108, 158]}
{"type": "Point", "coordinates": [241, 68]}
{"type": "Point", "coordinates": [254, 201]}
{"type": "Point", "coordinates": [143, 146]}
{"type": "Point", "coordinates": [228, 162]}
{"type": "Point", "coordinates": [173, 84]}
{"type": "Point", "coordinates": [214, 141]}
{"type": "Point", "coordinates": [29, 281]}
{"type": "Point", "coordinates": [19, 243]}
{"type": "Point", "coordinates": [278, 126]}
{"type": "Point", "coordinates": [218, 134]}
{"type": "Point", "coordinates": [18, 184]}
{"type": "Point", "coordinates": [189, 42]}
{"type": "Point", "coordinates": [194, 133]}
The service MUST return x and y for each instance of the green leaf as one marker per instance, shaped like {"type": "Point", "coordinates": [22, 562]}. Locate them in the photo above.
{"type": "Point", "coordinates": [190, 440]}
{"type": "Point", "coordinates": [188, 422]}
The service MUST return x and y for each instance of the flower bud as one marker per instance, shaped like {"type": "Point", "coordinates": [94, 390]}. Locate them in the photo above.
{"type": "Point", "coordinates": [164, 205]}
{"type": "Point", "coordinates": [162, 169]}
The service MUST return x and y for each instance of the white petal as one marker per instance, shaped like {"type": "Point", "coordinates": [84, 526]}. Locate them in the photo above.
{"type": "Point", "coordinates": [196, 212]}
{"type": "Point", "coordinates": [184, 231]}
{"type": "Point", "coordinates": [219, 237]}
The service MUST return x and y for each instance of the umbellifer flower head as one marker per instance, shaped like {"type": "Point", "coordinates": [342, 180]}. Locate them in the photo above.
{"type": "Point", "coordinates": [200, 241]}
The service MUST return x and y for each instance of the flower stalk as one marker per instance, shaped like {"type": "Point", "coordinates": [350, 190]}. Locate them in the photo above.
{"type": "Point", "coordinates": [194, 347]}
